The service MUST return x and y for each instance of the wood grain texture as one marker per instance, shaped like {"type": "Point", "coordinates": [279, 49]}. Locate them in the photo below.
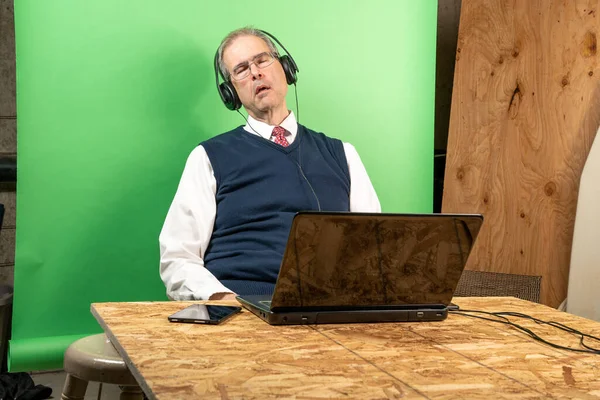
{"type": "Point", "coordinates": [525, 110]}
{"type": "Point", "coordinates": [247, 358]}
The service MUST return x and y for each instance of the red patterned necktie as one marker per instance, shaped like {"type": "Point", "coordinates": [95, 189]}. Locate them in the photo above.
{"type": "Point", "coordinates": [279, 135]}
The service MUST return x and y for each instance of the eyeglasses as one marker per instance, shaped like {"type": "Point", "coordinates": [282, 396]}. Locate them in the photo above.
{"type": "Point", "coordinates": [261, 61]}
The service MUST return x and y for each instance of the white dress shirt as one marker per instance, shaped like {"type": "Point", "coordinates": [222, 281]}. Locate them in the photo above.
{"type": "Point", "coordinates": [189, 223]}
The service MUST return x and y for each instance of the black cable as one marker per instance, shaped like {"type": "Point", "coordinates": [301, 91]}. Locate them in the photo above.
{"type": "Point", "coordinates": [299, 164]}
{"type": "Point", "coordinates": [246, 119]}
{"type": "Point", "coordinates": [557, 325]}
{"type": "Point", "coordinates": [310, 186]}
{"type": "Point", "coordinates": [297, 108]}
{"type": "Point", "coordinates": [529, 332]}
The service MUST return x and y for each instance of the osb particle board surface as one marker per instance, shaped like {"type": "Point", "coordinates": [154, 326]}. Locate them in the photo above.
{"type": "Point", "coordinates": [247, 358]}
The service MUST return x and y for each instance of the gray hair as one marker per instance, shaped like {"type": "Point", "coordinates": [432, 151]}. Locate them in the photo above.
{"type": "Point", "coordinates": [245, 31]}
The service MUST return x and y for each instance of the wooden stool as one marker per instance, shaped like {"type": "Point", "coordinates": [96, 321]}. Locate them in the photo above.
{"type": "Point", "coordinates": [93, 358]}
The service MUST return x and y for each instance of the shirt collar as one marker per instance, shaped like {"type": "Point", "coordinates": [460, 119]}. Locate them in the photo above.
{"type": "Point", "coordinates": [265, 130]}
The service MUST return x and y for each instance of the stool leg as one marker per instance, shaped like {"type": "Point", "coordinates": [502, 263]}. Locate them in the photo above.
{"type": "Point", "coordinates": [131, 393]}
{"type": "Point", "coordinates": [74, 388]}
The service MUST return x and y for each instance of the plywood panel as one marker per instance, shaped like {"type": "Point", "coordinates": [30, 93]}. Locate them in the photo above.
{"type": "Point", "coordinates": [524, 114]}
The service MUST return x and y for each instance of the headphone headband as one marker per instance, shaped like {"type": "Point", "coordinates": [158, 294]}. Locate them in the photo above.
{"type": "Point", "coordinates": [284, 49]}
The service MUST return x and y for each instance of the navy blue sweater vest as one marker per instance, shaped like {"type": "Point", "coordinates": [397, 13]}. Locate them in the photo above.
{"type": "Point", "coordinates": [260, 187]}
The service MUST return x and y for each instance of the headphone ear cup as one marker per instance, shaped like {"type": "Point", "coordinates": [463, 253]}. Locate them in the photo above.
{"type": "Point", "coordinates": [229, 96]}
{"type": "Point", "coordinates": [289, 69]}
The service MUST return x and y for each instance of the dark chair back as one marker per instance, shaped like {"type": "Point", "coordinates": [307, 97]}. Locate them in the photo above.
{"type": "Point", "coordinates": [493, 284]}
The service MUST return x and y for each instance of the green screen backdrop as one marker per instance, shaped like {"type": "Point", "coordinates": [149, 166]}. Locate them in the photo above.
{"type": "Point", "coordinates": [113, 95]}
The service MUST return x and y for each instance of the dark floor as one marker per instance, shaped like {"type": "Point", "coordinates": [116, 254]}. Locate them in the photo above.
{"type": "Point", "coordinates": [56, 380]}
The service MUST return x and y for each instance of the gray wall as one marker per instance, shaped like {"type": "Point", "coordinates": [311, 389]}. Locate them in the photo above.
{"type": "Point", "coordinates": [8, 136]}
{"type": "Point", "coordinates": [448, 16]}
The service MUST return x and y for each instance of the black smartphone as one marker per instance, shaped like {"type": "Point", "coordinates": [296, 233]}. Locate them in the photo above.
{"type": "Point", "coordinates": [204, 314]}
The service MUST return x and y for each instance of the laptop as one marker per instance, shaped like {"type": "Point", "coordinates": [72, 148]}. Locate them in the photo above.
{"type": "Point", "coordinates": [341, 267]}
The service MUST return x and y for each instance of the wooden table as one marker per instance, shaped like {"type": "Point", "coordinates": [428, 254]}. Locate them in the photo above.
{"type": "Point", "coordinates": [247, 358]}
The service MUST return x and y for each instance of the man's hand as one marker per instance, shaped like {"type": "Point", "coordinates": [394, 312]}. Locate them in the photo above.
{"type": "Point", "coordinates": [222, 296]}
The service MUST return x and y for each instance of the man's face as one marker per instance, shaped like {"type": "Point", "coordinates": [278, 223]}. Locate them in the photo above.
{"type": "Point", "coordinates": [263, 91]}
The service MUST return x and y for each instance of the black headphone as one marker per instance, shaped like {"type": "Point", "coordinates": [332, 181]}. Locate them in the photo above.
{"type": "Point", "coordinates": [227, 91]}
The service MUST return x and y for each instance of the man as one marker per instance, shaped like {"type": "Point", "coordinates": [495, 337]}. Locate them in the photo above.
{"type": "Point", "coordinates": [226, 230]}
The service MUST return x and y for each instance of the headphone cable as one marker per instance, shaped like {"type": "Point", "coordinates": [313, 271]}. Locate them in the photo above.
{"type": "Point", "coordinates": [299, 166]}
{"type": "Point", "coordinates": [247, 122]}
{"type": "Point", "coordinates": [297, 108]}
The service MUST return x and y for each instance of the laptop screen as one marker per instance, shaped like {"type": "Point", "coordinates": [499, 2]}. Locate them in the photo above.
{"type": "Point", "coordinates": [351, 259]}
